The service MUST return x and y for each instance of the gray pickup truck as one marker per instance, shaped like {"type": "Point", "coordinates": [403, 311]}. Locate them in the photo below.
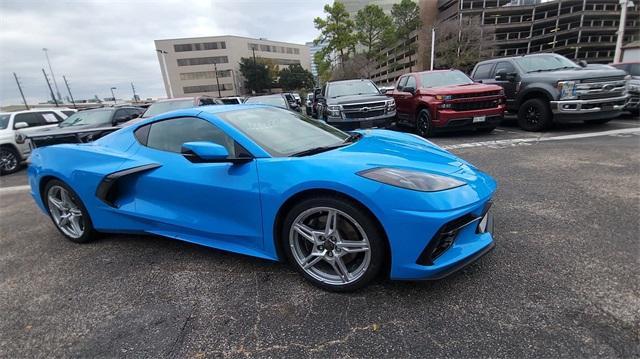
{"type": "Point", "coordinates": [546, 88]}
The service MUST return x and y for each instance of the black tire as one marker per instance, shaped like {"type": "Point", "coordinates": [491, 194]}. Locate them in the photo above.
{"type": "Point", "coordinates": [424, 125]}
{"type": "Point", "coordinates": [373, 232]}
{"type": "Point", "coordinates": [488, 129]}
{"type": "Point", "coordinates": [535, 115]}
{"type": "Point", "coordinates": [89, 233]}
{"type": "Point", "coordinates": [600, 121]}
{"type": "Point", "coordinates": [9, 160]}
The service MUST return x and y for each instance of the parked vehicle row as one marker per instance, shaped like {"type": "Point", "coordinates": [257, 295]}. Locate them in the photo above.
{"type": "Point", "coordinates": [12, 153]}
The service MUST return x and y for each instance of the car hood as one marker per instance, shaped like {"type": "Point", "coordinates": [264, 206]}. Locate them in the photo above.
{"type": "Point", "coordinates": [345, 100]}
{"type": "Point", "coordinates": [578, 74]}
{"type": "Point", "coordinates": [383, 148]}
{"type": "Point", "coordinates": [459, 89]}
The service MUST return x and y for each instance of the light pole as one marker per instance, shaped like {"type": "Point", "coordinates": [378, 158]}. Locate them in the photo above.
{"type": "Point", "coordinates": [166, 72]}
{"type": "Point", "coordinates": [113, 95]}
{"type": "Point", "coordinates": [433, 46]}
{"type": "Point", "coordinates": [215, 68]}
{"type": "Point", "coordinates": [53, 77]}
{"type": "Point", "coordinates": [617, 57]}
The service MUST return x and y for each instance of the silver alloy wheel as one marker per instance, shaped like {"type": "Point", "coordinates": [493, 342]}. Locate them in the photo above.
{"type": "Point", "coordinates": [330, 245]}
{"type": "Point", "coordinates": [65, 212]}
{"type": "Point", "coordinates": [8, 160]}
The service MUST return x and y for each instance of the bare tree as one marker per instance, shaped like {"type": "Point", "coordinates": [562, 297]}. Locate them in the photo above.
{"type": "Point", "coordinates": [462, 45]}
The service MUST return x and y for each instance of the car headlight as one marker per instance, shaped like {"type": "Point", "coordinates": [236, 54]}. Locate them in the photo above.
{"type": "Point", "coordinates": [391, 105]}
{"type": "Point", "coordinates": [409, 179]}
{"type": "Point", "coordinates": [567, 90]}
{"type": "Point", "coordinates": [334, 110]}
{"type": "Point", "coordinates": [20, 137]}
{"type": "Point", "coordinates": [445, 97]}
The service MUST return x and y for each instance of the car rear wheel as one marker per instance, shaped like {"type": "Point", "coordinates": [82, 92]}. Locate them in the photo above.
{"type": "Point", "coordinates": [9, 160]}
{"type": "Point", "coordinates": [67, 212]}
{"type": "Point", "coordinates": [534, 115]}
{"type": "Point", "coordinates": [424, 126]}
{"type": "Point", "coordinates": [333, 243]}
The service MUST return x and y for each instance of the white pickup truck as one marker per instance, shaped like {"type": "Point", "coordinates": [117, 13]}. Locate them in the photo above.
{"type": "Point", "coordinates": [12, 153]}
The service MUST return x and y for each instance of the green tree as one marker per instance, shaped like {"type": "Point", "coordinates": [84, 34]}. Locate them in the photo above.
{"type": "Point", "coordinates": [256, 74]}
{"type": "Point", "coordinates": [295, 77]}
{"type": "Point", "coordinates": [373, 29]}
{"type": "Point", "coordinates": [406, 18]}
{"type": "Point", "coordinates": [336, 30]}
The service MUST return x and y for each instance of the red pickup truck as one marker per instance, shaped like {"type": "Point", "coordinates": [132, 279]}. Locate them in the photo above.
{"type": "Point", "coordinates": [442, 100]}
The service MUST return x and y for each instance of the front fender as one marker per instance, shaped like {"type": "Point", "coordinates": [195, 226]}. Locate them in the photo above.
{"type": "Point", "coordinates": [546, 90]}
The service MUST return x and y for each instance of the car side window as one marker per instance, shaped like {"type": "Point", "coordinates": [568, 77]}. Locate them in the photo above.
{"type": "Point", "coordinates": [169, 135]}
{"type": "Point", "coordinates": [32, 119]}
{"type": "Point", "coordinates": [483, 71]}
{"type": "Point", "coordinates": [403, 80]}
{"type": "Point", "coordinates": [121, 113]}
{"type": "Point", "coordinates": [505, 67]}
{"type": "Point", "coordinates": [411, 82]}
{"type": "Point", "coordinates": [206, 101]}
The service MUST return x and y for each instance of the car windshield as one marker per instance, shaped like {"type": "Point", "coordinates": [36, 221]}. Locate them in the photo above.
{"type": "Point", "coordinates": [348, 88]}
{"type": "Point", "coordinates": [268, 100]}
{"type": "Point", "coordinates": [545, 63]}
{"type": "Point", "coordinates": [444, 78]}
{"type": "Point", "coordinates": [4, 121]}
{"type": "Point", "coordinates": [283, 133]}
{"type": "Point", "coordinates": [90, 117]}
{"type": "Point", "coordinates": [165, 106]}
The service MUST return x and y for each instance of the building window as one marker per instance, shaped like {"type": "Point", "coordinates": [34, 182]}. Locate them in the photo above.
{"type": "Point", "coordinates": [281, 61]}
{"type": "Point", "coordinates": [200, 46]}
{"type": "Point", "coordinates": [202, 75]}
{"type": "Point", "coordinates": [206, 88]}
{"type": "Point", "coordinates": [182, 47]}
{"type": "Point", "coordinates": [203, 61]}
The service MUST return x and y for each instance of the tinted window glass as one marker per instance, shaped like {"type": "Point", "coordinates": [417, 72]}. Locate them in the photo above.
{"type": "Point", "coordinates": [505, 67]}
{"type": "Point", "coordinates": [30, 118]}
{"type": "Point", "coordinates": [483, 71]}
{"type": "Point", "coordinates": [403, 80]}
{"type": "Point", "coordinates": [545, 63]}
{"type": "Point", "coordinates": [4, 121]}
{"type": "Point", "coordinates": [169, 135]}
{"type": "Point", "coordinates": [50, 117]}
{"type": "Point", "coordinates": [282, 133]}
{"type": "Point", "coordinates": [411, 82]}
{"type": "Point", "coordinates": [121, 113]}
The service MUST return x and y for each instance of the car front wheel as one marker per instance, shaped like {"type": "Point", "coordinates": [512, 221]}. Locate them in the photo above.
{"type": "Point", "coordinates": [424, 126]}
{"type": "Point", "coordinates": [333, 243]}
{"type": "Point", "coordinates": [67, 212]}
{"type": "Point", "coordinates": [535, 115]}
{"type": "Point", "coordinates": [9, 160]}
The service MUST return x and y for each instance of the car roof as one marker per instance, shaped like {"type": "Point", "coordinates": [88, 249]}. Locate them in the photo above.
{"type": "Point", "coordinates": [343, 81]}
{"type": "Point", "coordinates": [39, 110]}
{"type": "Point", "coordinates": [216, 109]}
{"type": "Point", "coordinates": [177, 99]}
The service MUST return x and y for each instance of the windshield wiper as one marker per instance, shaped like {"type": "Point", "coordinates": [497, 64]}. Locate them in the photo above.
{"type": "Point", "coordinates": [314, 150]}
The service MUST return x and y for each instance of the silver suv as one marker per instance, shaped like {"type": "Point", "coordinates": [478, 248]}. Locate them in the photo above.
{"type": "Point", "coordinates": [13, 153]}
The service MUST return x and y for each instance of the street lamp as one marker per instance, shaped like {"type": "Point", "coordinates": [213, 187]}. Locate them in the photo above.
{"type": "Point", "coordinates": [617, 56]}
{"type": "Point", "coordinates": [113, 95]}
{"type": "Point", "coordinates": [166, 72]}
{"type": "Point", "coordinates": [53, 77]}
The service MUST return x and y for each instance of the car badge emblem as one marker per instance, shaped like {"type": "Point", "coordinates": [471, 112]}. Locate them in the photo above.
{"type": "Point", "coordinates": [364, 109]}
{"type": "Point", "coordinates": [607, 87]}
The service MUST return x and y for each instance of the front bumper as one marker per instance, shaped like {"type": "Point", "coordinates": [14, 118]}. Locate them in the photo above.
{"type": "Point", "coordinates": [368, 122]}
{"type": "Point", "coordinates": [634, 101]}
{"type": "Point", "coordinates": [597, 108]}
{"type": "Point", "coordinates": [457, 120]}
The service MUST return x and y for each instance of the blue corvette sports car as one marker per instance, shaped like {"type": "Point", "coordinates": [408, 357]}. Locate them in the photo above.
{"type": "Point", "coordinates": [270, 183]}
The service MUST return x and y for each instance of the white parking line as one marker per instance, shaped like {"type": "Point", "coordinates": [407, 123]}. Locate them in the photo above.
{"type": "Point", "coordinates": [518, 141]}
{"type": "Point", "coordinates": [11, 189]}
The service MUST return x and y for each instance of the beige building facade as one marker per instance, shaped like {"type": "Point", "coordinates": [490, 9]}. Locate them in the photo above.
{"type": "Point", "coordinates": [188, 65]}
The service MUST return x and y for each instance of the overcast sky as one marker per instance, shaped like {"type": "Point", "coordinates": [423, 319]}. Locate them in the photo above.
{"type": "Point", "coordinates": [102, 44]}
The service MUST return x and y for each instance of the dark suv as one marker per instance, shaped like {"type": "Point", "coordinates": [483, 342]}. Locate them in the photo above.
{"type": "Point", "coordinates": [544, 88]}
{"type": "Point", "coordinates": [352, 104]}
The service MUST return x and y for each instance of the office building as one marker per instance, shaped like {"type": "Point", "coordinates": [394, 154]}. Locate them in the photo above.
{"type": "Point", "coordinates": [188, 65]}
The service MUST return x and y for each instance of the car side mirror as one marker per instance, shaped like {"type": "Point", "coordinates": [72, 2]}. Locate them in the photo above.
{"type": "Point", "coordinates": [19, 125]}
{"type": "Point", "coordinates": [411, 90]}
{"type": "Point", "coordinates": [582, 63]}
{"type": "Point", "coordinates": [203, 151]}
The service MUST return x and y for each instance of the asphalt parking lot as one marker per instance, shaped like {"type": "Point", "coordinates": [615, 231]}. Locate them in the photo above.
{"type": "Point", "coordinates": [562, 281]}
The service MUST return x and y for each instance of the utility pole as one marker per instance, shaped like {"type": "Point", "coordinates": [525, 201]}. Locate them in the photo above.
{"type": "Point", "coordinates": [20, 88]}
{"type": "Point", "coordinates": [66, 83]}
{"type": "Point", "coordinates": [53, 77]}
{"type": "Point", "coordinates": [50, 89]}
{"type": "Point", "coordinates": [166, 72]}
{"type": "Point", "coordinates": [617, 57]}
{"type": "Point", "coordinates": [135, 97]}
{"type": "Point", "coordinates": [253, 50]}
{"type": "Point", "coordinates": [113, 95]}
{"type": "Point", "coordinates": [215, 68]}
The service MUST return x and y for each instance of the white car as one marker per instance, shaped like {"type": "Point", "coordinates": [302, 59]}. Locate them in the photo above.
{"type": "Point", "coordinates": [13, 153]}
